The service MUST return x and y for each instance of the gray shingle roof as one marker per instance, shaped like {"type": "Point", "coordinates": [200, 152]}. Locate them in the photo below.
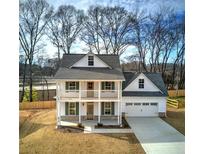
{"type": "Point", "coordinates": [143, 93]}
{"type": "Point", "coordinates": [156, 78]}
{"type": "Point", "coordinates": [113, 73]}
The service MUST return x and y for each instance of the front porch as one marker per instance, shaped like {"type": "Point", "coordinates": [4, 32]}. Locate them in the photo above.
{"type": "Point", "coordinates": [105, 113]}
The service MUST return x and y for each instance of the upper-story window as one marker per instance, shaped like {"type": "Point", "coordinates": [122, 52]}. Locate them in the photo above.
{"type": "Point", "coordinates": [108, 85]}
{"type": "Point", "coordinates": [72, 86]}
{"type": "Point", "coordinates": [90, 60]}
{"type": "Point", "coordinates": [141, 83]}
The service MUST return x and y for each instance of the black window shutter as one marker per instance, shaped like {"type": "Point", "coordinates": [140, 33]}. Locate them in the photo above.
{"type": "Point", "coordinates": [77, 85]}
{"type": "Point", "coordinates": [66, 85]}
{"type": "Point", "coordinates": [102, 85]}
{"type": "Point", "coordinates": [113, 85]}
{"type": "Point", "coordinates": [113, 108]}
{"type": "Point", "coordinates": [66, 108]}
{"type": "Point", "coordinates": [77, 108]}
{"type": "Point", "coordinates": [102, 108]}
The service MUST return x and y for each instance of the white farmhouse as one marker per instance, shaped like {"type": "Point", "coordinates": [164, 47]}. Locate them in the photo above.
{"type": "Point", "coordinates": [93, 87]}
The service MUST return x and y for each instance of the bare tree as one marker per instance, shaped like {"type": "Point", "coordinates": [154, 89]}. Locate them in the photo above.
{"type": "Point", "coordinates": [54, 33]}
{"type": "Point", "coordinates": [180, 51]}
{"type": "Point", "coordinates": [41, 61]}
{"type": "Point", "coordinates": [118, 28]}
{"type": "Point", "coordinates": [23, 60]}
{"type": "Point", "coordinates": [139, 40]}
{"type": "Point", "coordinates": [34, 15]}
{"type": "Point", "coordinates": [65, 25]}
{"type": "Point", "coordinates": [92, 32]}
{"type": "Point", "coordinates": [107, 29]}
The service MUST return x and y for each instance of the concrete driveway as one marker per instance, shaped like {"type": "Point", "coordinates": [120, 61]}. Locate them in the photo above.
{"type": "Point", "coordinates": [156, 136]}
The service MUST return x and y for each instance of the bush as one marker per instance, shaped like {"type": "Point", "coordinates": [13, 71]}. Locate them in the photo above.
{"type": "Point", "coordinates": [100, 125]}
{"type": "Point", "coordinates": [27, 94]}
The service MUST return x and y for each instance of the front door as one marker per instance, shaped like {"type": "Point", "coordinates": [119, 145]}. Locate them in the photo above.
{"type": "Point", "coordinates": [90, 88]}
{"type": "Point", "coordinates": [89, 111]}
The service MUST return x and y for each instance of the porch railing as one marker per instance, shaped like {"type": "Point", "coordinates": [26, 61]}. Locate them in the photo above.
{"type": "Point", "coordinates": [90, 93]}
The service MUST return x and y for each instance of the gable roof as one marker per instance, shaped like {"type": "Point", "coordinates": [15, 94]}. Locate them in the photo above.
{"type": "Point", "coordinates": [98, 57]}
{"type": "Point", "coordinates": [67, 72]}
{"type": "Point", "coordinates": [155, 78]}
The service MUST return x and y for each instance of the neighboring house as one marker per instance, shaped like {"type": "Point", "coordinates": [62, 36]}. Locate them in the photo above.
{"type": "Point", "coordinates": [93, 87]}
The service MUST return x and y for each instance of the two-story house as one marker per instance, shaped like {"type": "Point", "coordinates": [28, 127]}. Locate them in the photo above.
{"type": "Point", "coordinates": [93, 87]}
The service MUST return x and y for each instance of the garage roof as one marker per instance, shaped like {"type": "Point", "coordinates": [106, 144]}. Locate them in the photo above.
{"type": "Point", "coordinates": [156, 78]}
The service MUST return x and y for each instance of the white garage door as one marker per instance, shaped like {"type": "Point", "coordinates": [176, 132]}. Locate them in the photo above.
{"type": "Point", "coordinates": [141, 109]}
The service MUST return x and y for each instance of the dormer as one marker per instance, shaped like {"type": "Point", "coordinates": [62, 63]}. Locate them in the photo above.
{"type": "Point", "coordinates": [90, 60]}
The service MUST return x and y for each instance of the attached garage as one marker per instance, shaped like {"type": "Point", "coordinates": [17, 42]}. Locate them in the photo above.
{"type": "Point", "coordinates": [137, 109]}
{"type": "Point", "coordinates": [144, 106]}
{"type": "Point", "coordinates": [144, 95]}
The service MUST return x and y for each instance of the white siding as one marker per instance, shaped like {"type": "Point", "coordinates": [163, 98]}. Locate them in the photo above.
{"type": "Point", "coordinates": [95, 108]}
{"type": "Point", "coordinates": [116, 108]}
{"type": "Point", "coordinates": [62, 108]}
{"type": "Point", "coordinates": [160, 100]}
{"type": "Point", "coordinates": [83, 108]}
{"type": "Point", "coordinates": [84, 62]}
{"type": "Point", "coordinates": [148, 85]}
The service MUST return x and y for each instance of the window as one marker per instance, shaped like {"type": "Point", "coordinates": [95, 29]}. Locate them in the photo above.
{"type": "Point", "coordinates": [72, 86]}
{"type": "Point", "coordinates": [108, 85]}
{"type": "Point", "coordinates": [90, 60]}
{"type": "Point", "coordinates": [141, 83]}
{"type": "Point", "coordinates": [107, 108]}
{"type": "Point", "coordinates": [72, 108]}
{"type": "Point", "coordinates": [153, 104]}
{"type": "Point", "coordinates": [128, 104]}
{"type": "Point", "coordinates": [137, 104]}
{"type": "Point", "coordinates": [145, 104]}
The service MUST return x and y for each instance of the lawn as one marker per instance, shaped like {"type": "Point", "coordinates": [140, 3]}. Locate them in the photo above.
{"type": "Point", "coordinates": [38, 135]}
{"type": "Point", "coordinates": [176, 117]}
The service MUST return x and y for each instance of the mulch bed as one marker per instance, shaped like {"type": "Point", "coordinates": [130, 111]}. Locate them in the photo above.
{"type": "Point", "coordinates": [71, 129]}
{"type": "Point", "coordinates": [124, 125]}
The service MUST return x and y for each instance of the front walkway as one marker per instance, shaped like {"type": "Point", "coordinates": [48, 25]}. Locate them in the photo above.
{"type": "Point", "coordinates": [90, 126]}
{"type": "Point", "coordinates": [156, 136]}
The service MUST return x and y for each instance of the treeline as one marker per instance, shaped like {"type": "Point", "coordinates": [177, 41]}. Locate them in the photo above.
{"type": "Point", "coordinates": [158, 37]}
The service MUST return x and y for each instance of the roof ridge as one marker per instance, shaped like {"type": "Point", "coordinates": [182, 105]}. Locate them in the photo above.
{"type": "Point", "coordinates": [88, 53]}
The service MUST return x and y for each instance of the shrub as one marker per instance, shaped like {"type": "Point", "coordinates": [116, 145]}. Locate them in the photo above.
{"type": "Point", "coordinates": [27, 94]}
{"type": "Point", "coordinates": [100, 124]}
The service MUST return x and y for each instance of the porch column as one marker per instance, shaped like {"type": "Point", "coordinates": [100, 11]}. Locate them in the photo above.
{"type": "Point", "coordinates": [99, 111]}
{"type": "Point", "coordinates": [79, 90]}
{"type": "Point", "coordinates": [79, 112]}
{"type": "Point", "coordinates": [58, 108]}
{"type": "Point", "coordinates": [118, 112]}
{"type": "Point", "coordinates": [99, 105]}
{"type": "Point", "coordinates": [118, 102]}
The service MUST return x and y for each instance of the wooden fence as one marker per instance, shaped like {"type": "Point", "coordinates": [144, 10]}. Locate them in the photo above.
{"type": "Point", "coordinates": [37, 105]}
{"type": "Point", "coordinates": [173, 103]}
{"type": "Point", "coordinates": [173, 93]}
{"type": "Point", "coordinates": [43, 95]}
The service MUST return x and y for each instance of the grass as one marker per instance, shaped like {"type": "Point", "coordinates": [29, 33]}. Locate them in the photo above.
{"type": "Point", "coordinates": [38, 135]}
{"type": "Point", "coordinates": [176, 117]}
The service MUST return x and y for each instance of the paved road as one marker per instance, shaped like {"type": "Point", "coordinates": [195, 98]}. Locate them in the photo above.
{"type": "Point", "coordinates": [156, 136]}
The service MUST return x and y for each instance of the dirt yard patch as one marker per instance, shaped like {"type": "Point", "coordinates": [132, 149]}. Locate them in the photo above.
{"type": "Point", "coordinates": [38, 135]}
{"type": "Point", "coordinates": [176, 118]}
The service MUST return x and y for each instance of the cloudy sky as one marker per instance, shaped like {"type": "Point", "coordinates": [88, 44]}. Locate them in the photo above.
{"type": "Point", "coordinates": [149, 5]}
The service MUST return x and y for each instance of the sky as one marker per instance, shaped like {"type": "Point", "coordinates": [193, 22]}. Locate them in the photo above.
{"type": "Point", "coordinates": [149, 5]}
